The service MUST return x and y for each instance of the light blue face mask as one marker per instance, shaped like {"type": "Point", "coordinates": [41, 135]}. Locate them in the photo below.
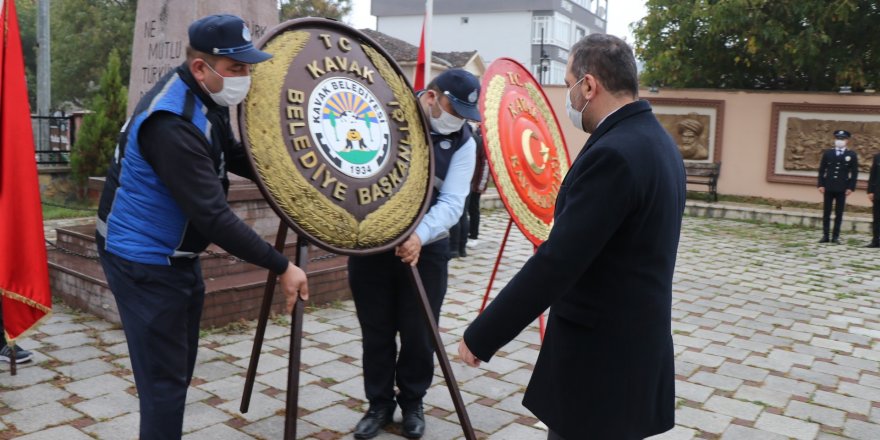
{"type": "Point", "coordinates": [577, 117]}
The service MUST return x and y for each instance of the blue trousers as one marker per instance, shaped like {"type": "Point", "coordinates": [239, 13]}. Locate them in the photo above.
{"type": "Point", "coordinates": [387, 303]}
{"type": "Point", "coordinates": [160, 308]}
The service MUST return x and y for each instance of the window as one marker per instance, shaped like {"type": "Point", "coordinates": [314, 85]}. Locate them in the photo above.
{"type": "Point", "coordinates": [601, 9]}
{"type": "Point", "coordinates": [541, 23]}
{"type": "Point", "coordinates": [562, 30]}
{"type": "Point", "coordinates": [579, 33]}
{"type": "Point", "coordinates": [556, 73]}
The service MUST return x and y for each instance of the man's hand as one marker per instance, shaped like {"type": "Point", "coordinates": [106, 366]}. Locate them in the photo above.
{"type": "Point", "coordinates": [409, 250]}
{"type": "Point", "coordinates": [466, 356]}
{"type": "Point", "coordinates": [294, 281]}
{"type": "Point", "coordinates": [822, 189]}
{"type": "Point", "coordinates": [871, 196]}
{"type": "Point", "coordinates": [848, 192]}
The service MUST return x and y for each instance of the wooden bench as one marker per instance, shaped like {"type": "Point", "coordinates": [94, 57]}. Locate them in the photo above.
{"type": "Point", "coordinates": [702, 173]}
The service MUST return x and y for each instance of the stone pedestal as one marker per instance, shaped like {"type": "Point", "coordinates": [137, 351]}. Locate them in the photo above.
{"type": "Point", "coordinates": [234, 289]}
{"type": "Point", "coordinates": [160, 34]}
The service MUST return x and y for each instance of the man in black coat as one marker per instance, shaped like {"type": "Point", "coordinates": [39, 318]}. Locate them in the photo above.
{"type": "Point", "coordinates": [605, 370]}
{"type": "Point", "coordinates": [873, 185]}
{"type": "Point", "coordinates": [838, 172]}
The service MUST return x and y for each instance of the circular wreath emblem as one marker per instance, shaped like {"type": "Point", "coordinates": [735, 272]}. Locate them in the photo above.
{"type": "Point", "coordinates": [524, 146]}
{"type": "Point", "coordinates": [336, 138]}
{"type": "Point", "coordinates": [352, 128]}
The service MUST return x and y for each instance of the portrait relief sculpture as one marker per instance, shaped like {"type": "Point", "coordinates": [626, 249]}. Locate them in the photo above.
{"type": "Point", "coordinates": [690, 131]}
{"type": "Point", "coordinates": [690, 144]}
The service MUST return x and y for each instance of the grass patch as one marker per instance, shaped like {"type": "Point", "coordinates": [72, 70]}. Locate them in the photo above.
{"type": "Point", "coordinates": [862, 267]}
{"type": "Point", "coordinates": [793, 245]}
{"type": "Point", "coordinates": [56, 209]}
{"type": "Point", "coordinates": [773, 203]}
{"type": "Point", "coordinates": [236, 327]}
{"type": "Point", "coordinates": [280, 319]}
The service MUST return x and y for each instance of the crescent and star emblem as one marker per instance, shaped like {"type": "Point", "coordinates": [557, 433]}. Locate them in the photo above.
{"type": "Point", "coordinates": [527, 136]}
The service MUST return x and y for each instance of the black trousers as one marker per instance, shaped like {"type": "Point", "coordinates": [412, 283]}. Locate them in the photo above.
{"type": "Point", "coordinates": [839, 200]}
{"type": "Point", "coordinates": [387, 303]}
{"type": "Point", "coordinates": [458, 234]}
{"type": "Point", "coordinates": [160, 308]}
{"type": "Point", "coordinates": [876, 224]}
{"type": "Point", "coordinates": [473, 210]}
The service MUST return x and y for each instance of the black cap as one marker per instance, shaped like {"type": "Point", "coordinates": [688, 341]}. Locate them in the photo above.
{"type": "Point", "coordinates": [463, 90]}
{"type": "Point", "coordinates": [842, 134]}
{"type": "Point", "coordinates": [225, 35]}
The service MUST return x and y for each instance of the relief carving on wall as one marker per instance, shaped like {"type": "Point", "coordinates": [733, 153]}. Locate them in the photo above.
{"type": "Point", "coordinates": [690, 132]}
{"type": "Point", "coordinates": [806, 139]}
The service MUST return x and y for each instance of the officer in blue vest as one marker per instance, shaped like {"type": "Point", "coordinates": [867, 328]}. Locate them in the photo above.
{"type": "Point", "coordinates": [838, 174]}
{"type": "Point", "coordinates": [164, 201]}
{"type": "Point", "coordinates": [386, 301]}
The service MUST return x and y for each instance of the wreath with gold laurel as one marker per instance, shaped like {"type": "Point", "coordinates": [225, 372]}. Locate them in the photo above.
{"type": "Point", "coordinates": [302, 203]}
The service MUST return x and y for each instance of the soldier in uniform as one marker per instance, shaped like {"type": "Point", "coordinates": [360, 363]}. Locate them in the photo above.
{"type": "Point", "coordinates": [873, 186]}
{"type": "Point", "coordinates": [838, 172]}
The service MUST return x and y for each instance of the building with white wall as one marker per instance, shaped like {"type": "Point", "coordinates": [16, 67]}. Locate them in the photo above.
{"type": "Point", "coordinates": [499, 28]}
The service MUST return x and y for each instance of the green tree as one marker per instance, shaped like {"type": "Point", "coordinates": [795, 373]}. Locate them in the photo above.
{"type": "Point", "coordinates": [760, 44]}
{"type": "Point", "coordinates": [84, 33]}
{"type": "Point", "coordinates": [97, 138]}
{"type": "Point", "coordinates": [335, 9]}
{"type": "Point", "coordinates": [27, 27]}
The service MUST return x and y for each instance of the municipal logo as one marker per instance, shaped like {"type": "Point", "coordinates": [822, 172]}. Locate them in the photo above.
{"type": "Point", "coordinates": [350, 127]}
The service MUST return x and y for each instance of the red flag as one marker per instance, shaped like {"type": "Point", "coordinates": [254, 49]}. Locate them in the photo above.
{"type": "Point", "coordinates": [419, 82]}
{"type": "Point", "coordinates": [24, 269]}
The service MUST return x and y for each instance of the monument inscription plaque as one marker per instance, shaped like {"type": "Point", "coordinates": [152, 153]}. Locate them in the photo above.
{"type": "Point", "coordinates": [160, 34]}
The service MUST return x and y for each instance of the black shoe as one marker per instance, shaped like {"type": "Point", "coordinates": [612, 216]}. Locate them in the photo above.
{"type": "Point", "coordinates": [375, 419]}
{"type": "Point", "coordinates": [414, 422]}
{"type": "Point", "coordinates": [873, 244]}
{"type": "Point", "coordinates": [835, 240]}
{"type": "Point", "coordinates": [824, 240]}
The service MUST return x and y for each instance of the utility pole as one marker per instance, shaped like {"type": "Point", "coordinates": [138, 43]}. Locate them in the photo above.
{"type": "Point", "coordinates": [44, 74]}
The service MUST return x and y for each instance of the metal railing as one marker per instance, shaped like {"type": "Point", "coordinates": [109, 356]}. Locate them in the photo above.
{"type": "Point", "coordinates": [53, 138]}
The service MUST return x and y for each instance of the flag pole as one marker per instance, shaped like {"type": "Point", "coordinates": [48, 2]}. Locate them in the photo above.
{"type": "Point", "coordinates": [429, 12]}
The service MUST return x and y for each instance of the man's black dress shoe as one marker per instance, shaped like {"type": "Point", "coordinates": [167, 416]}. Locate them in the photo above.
{"type": "Point", "coordinates": [835, 240]}
{"type": "Point", "coordinates": [375, 419]}
{"type": "Point", "coordinates": [824, 240]}
{"type": "Point", "coordinates": [873, 244]}
{"type": "Point", "coordinates": [414, 422]}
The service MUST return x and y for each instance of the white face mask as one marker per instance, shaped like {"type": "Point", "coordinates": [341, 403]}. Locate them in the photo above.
{"type": "Point", "coordinates": [446, 123]}
{"type": "Point", "coordinates": [839, 143]}
{"type": "Point", "coordinates": [234, 90]}
{"type": "Point", "coordinates": [577, 117]}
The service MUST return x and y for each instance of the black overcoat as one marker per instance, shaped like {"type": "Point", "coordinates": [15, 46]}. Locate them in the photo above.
{"type": "Point", "coordinates": [605, 369]}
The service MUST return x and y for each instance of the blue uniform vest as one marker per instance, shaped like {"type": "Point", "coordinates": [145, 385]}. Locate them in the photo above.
{"type": "Point", "coordinates": [138, 219]}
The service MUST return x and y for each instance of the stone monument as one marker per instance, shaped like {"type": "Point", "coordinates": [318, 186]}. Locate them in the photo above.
{"type": "Point", "coordinates": [160, 34]}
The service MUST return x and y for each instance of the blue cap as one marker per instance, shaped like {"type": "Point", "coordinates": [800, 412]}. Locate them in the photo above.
{"type": "Point", "coordinates": [225, 35]}
{"type": "Point", "coordinates": [842, 134]}
{"type": "Point", "coordinates": [463, 90]}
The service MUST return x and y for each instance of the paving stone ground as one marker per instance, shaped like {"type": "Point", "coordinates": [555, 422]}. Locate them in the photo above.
{"type": "Point", "coordinates": [776, 337]}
